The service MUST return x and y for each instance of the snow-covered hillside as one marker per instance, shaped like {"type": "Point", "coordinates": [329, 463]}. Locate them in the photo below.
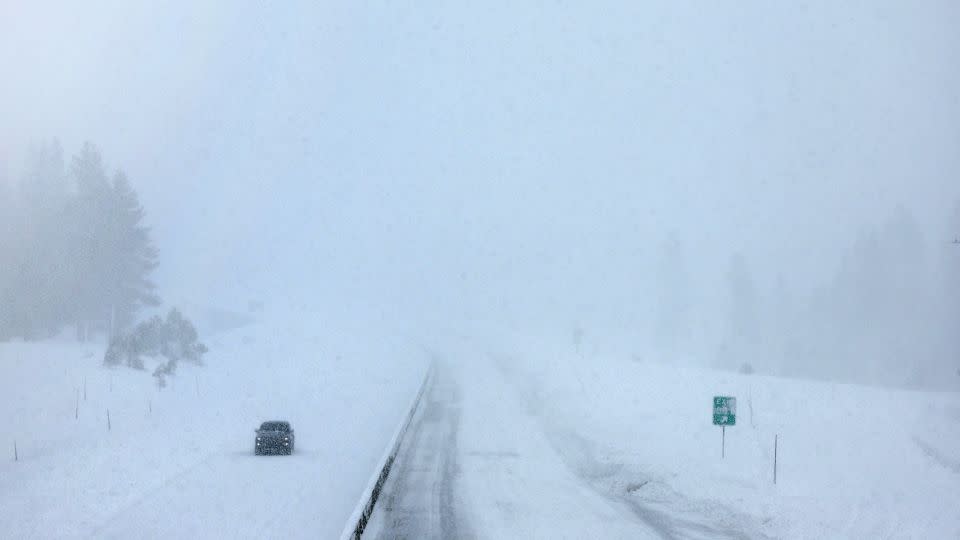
{"type": "Point", "coordinates": [178, 462]}
{"type": "Point", "coordinates": [854, 461]}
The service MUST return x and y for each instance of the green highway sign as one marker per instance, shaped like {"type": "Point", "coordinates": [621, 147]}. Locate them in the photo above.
{"type": "Point", "coordinates": [724, 411]}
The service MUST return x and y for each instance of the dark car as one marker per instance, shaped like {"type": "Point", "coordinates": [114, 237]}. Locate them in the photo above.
{"type": "Point", "coordinates": [275, 437]}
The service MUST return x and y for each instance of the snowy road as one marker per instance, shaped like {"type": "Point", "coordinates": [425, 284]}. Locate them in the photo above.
{"type": "Point", "coordinates": [418, 498]}
{"type": "Point", "coordinates": [476, 465]}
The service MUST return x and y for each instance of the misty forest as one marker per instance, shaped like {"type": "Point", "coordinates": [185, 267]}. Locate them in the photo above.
{"type": "Point", "coordinates": [84, 258]}
{"type": "Point", "coordinates": [892, 304]}
{"type": "Point", "coordinates": [82, 251]}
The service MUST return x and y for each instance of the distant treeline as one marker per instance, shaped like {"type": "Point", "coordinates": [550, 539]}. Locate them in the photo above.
{"type": "Point", "coordinates": [74, 248]}
{"type": "Point", "coordinates": [890, 313]}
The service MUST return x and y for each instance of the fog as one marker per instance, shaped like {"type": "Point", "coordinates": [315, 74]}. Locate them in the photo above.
{"type": "Point", "coordinates": [718, 183]}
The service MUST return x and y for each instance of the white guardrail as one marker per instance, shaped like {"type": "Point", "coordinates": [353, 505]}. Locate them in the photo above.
{"type": "Point", "coordinates": [361, 514]}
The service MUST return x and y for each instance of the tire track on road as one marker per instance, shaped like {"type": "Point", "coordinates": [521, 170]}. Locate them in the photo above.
{"type": "Point", "coordinates": [418, 500]}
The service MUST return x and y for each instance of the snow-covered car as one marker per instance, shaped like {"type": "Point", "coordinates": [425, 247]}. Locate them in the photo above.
{"type": "Point", "coordinates": [274, 437]}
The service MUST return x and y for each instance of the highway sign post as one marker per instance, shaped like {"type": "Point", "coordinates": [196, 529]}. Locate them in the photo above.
{"type": "Point", "coordinates": [724, 414]}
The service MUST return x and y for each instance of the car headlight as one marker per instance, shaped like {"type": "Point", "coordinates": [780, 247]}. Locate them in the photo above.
{"type": "Point", "coordinates": [258, 439]}
{"type": "Point", "coordinates": [286, 439]}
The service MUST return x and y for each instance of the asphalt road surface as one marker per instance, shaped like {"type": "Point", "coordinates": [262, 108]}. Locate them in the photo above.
{"type": "Point", "coordinates": [418, 497]}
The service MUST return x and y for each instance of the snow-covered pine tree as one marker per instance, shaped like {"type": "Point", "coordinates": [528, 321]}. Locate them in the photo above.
{"type": "Point", "coordinates": [133, 257]}
{"type": "Point", "coordinates": [88, 254]}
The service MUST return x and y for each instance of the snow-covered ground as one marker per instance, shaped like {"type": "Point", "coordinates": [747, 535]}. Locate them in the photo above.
{"type": "Point", "coordinates": [853, 461]}
{"type": "Point", "coordinates": [178, 462]}
{"type": "Point", "coordinates": [529, 440]}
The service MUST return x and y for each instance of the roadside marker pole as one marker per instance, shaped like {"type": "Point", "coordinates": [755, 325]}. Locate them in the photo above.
{"type": "Point", "coordinates": [15, 456]}
{"type": "Point", "coordinates": [723, 442]}
{"type": "Point", "coordinates": [775, 441]}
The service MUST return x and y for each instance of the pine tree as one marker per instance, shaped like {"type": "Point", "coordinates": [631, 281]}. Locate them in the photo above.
{"type": "Point", "coordinates": [743, 299]}
{"type": "Point", "coordinates": [182, 339]}
{"type": "Point", "coordinates": [743, 314]}
{"type": "Point", "coordinates": [133, 257]}
{"type": "Point", "coordinates": [673, 288]}
{"type": "Point", "coordinates": [950, 296]}
{"type": "Point", "coordinates": [89, 254]}
{"type": "Point", "coordinates": [40, 282]}
{"type": "Point", "coordinates": [44, 186]}
{"type": "Point", "coordinates": [9, 251]}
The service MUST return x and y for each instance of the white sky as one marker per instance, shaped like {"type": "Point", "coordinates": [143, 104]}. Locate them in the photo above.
{"type": "Point", "coordinates": [443, 157]}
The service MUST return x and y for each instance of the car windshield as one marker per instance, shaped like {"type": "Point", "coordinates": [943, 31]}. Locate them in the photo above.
{"type": "Point", "coordinates": [504, 268]}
